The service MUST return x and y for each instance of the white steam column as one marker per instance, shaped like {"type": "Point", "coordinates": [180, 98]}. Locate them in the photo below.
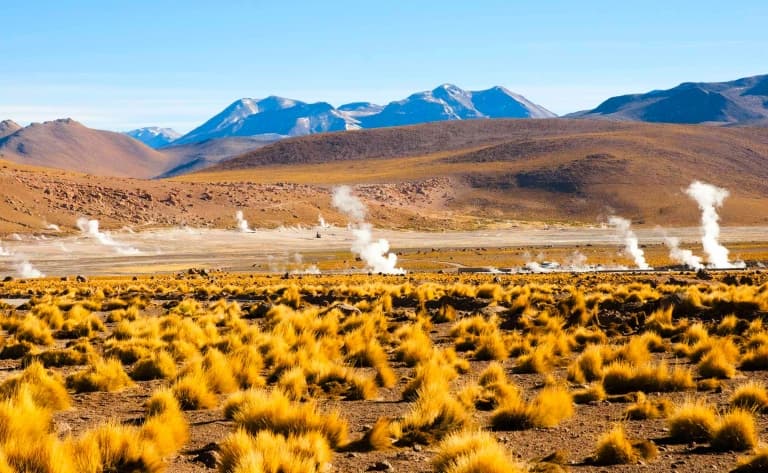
{"type": "Point", "coordinates": [630, 241]}
{"type": "Point", "coordinates": [709, 198]}
{"type": "Point", "coordinates": [375, 253]}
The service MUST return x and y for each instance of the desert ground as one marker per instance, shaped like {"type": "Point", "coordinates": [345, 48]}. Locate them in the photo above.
{"type": "Point", "coordinates": [298, 248]}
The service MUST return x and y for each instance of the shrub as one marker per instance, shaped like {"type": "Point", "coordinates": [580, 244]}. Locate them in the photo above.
{"type": "Point", "coordinates": [719, 362]}
{"type": "Point", "coordinates": [159, 365]}
{"type": "Point", "coordinates": [553, 405]}
{"type": "Point", "coordinates": [103, 375]}
{"type": "Point", "coordinates": [622, 378]}
{"type": "Point", "coordinates": [645, 408]}
{"type": "Point", "coordinates": [757, 463]}
{"type": "Point", "coordinates": [613, 448]}
{"type": "Point", "coordinates": [589, 394]}
{"type": "Point", "coordinates": [275, 412]}
{"type": "Point", "coordinates": [692, 421]}
{"type": "Point", "coordinates": [434, 415]}
{"type": "Point", "coordinates": [271, 452]}
{"type": "Point", "coordinates": [472, 451]}
{"type": "Point", "coordinates": [45, 389]}
{"type": "Point", "coordinates": [735, 431]}
{"type": "Point", "coordinates": [751, 396]}
{"type": "Point", "coordinates": [193, 393]}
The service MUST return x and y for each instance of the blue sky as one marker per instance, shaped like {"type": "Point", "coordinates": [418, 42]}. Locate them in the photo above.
{"type": "Point", "coordinates": [124, 64]}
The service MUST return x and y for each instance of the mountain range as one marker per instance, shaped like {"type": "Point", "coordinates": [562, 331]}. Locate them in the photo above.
{"type": "Point", "coordinates": [739, 102]}
{"type": "Point", "coordinates": [250, 124]}
{"type": "Point", "coordinates": [154, 137]}
{"type": "Point", "coordinates": [281, 117]}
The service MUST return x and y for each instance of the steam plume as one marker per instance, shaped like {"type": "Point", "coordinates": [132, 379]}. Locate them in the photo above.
{"type": "Point", "coordinates": [630, 240]}
{"type": "Point", "coordinates": [680, 255]}
{"type": "Point", "coordinates": [709, 199]}
{"type": "Point", "coordinates": [242, 223]}
{"type": "Point", "coordinates": [348, 203]}
{"type": "Point", "coordinates": [91, 229]}
{"type": "Point", "coordinates": [3, 251]}
{"type": "Point", "coordinates": [321, 222]}
{"type": "Point", "coordinates": [375, 253]}
{"type": "Point", "coordinates": [27, 271]}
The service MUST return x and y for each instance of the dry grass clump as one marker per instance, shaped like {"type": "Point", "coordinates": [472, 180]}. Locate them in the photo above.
{"type": "Point", "coordinates": [660, 321]}
{"type": "Point", "coordinates": [757, 463]}
{"type": "Point", "coordinates": [15, 349]}
{"type": "Point", "coordinates": [115, 447]}
{"type": "Point", "coordinates": [755, 359]}
{"type": "Point", "coordinates": [415, 345]}
{"type": "Point", "coordinates": [271, 452]}
{"type": "Point", "coordinates": [433, 372]}
{"type": "Point", "coordinates": [159, 365]}
{"type": "Point", "coordinates": [57, 358]}
{"type": "Point", "coordinates": [33, 330]}
{"type": "Point", "coordinates": [692, 421]}
{"type": "Point", "coordinates": [540, 360]}
{"type": "Point", "coordinates": [622, 378]}
{"type": "Point", "coordinates": [751, 396]}
{"type": "Point", "coordinates": [473, 451]}
{"type": "Point", "coordinates": [588, 366]}
{"type": "Point", "coordinates": [592, 393]}
{"type": "Point", "coordinates": [165, 426]}
{"type": "Point", "coordinates": [644, 408]}
{"type": "Point", "coordinates": [613, 448]}
{"type": "Point", "coordinates": [493, 389]}
{"type": "Point", "coordinates": [434, 415]}
{"type": "Point", "coordinates": [720, 361]}
{"type": "Point", "coordinates": [735, 432]}
{"type": "Point", "coordinates": [246, 364]}
{"type": "Point", "coordinates": [102, 375]}
{"type": "Point", "coordinates": [193, 393]}
{"type": "Point", "coordinates": [46, 389]}
{"type": "Point", "coordinates": [273, 411]}
{"type": "Point", "coordinates": [480, 336]}
{"type": "Point", "coordinates": [553, 405]}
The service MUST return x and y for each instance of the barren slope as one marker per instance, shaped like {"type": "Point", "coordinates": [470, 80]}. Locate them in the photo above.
{"type": "Point", "coordinates": [454, 175]}
{"type": "Point", "coordinates": [574, 170]}
{"type": "Point", "coordinates": [66, 144]}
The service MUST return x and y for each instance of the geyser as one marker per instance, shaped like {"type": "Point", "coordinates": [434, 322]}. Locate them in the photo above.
{"type": "Point", "coordinates": [375, 253]}
{"type": "Point", "coordinates": [91, 228]}
{"type": "Point", "coordinates": [680, 255]}
{"type": "Point", "coordinates": [630, 241]}
{"type": "Point", "coordinates": [709, 198]}
{"type": "Point", "coordinates": [242, 223]}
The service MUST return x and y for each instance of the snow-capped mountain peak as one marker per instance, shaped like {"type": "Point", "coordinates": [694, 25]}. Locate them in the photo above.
{"type": "Point", "coordinates": [153, 136]}
{"type": "Point", "coordinates": [278, 115]}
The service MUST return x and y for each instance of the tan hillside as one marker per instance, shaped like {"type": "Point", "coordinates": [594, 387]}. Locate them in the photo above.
{"type": "Point", "coordinates": [67, 144]}
{"type": "Point", "coordinates": [440, 176]}
{"type": "Point", "coordinates": [572, 170]}
{"type": "Point", "coordinates": [8, 127]}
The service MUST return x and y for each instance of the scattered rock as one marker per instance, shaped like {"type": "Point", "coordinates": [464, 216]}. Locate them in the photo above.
{"type": "Point", "coordinates": [381, 466]}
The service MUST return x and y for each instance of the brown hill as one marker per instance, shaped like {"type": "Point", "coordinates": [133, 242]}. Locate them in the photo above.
{"type": "Point", "coordinates": [437, 176]}
{"type": "Point", "coordinates": [66, 144]}
{"type": "Point", "coordinates": [8, 127]}
{"type": "Point", "coordinates": [574, 170]}
{"type": "Point", "coordinates": [200, 155]}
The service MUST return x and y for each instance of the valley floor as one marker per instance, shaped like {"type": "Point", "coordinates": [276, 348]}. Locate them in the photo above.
{"type": "Point", "coordinates": [299, 250]}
